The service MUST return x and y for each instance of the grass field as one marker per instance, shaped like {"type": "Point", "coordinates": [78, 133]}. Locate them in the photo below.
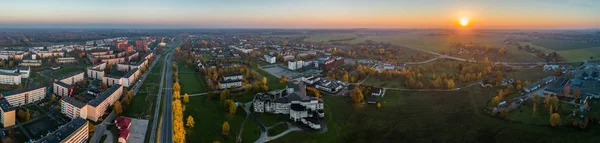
{"type": "Point", "coordinates": [66, 69]}
{"type": "Point", "coordinates": [272, 81]}
{"type": "Point", "coordinates": [524, 114]}
{"type": "Point", "coordinates": [191, 81]}
{"type": "Point", "coordinates": [334, 36]}
{"type": "Point", "coordinates": [570, 54]}
{"type": "Point", "coordinates": [562, 45]}
{"type": "Point", "coordinates": [429, 117]}
{"type": "Point", "coordinates": [142, 105]}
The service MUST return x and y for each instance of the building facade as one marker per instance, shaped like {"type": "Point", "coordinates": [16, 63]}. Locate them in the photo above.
{"type": "Point", "coordinates": [72, 78]}
{"type": "Point", "coordinates": [73, 108]}
{"type": "Point", "coordinates": [97, 106]}
{"type": "Point", "coordinates": [7, 118]}
{"type": "Point", "coordinates": [10, 78]}
{"type": "Point", "coordinates": [76, 131]}
{"type": "Point", "coordinates": [21, 97]}
{"type": "Point", "coordinates": [63, 89]}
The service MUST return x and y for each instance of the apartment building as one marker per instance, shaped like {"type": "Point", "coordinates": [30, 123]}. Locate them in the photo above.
{"type": "Point", "coordinates": [10, 78]}
{"type": "Point", "coordinates": [24, 71]}
{"type": "Point", "coordinates": [63, 89]}
{"type": "Point", "coordinates": [45, 54]}
{"type": "Point", "coordinates": [72, 78]}
{"type": "Point", "coordinates": [73, 108]}
{"type": "Point", "coordinates": [111, 80]}
{"type": "Point", "coordinates": [7, 117]}
{"type": "Point", "coordinates": [76, 131]}
{"type": "Point", "coordinates": [67, 60]}
{"type": "Point", "coordinates": [97, 106]}
{"type": "Point", "coordinates": [31, 63]}
{"type": "Point", "coordinates": [5, 55]}
{"type": "Point", "coordinates": [129, 66]}
{"type": "Point", "coordinates": [129, 78]}
{"type": "Point", "coordinates": [95, 74]}
{"type": "Point", "coordinates": [26, 96]}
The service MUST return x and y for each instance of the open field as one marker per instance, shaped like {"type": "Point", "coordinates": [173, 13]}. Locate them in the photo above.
{"type": "Point", "coordinates": [429, 117]}
{"type": "Point", "coordinates": [209, 116]}
{"type": "Point", "coordinates": [524, 114]}
{"type": "Point", "coordinates": [570, 54]}
{"type": "Point", "coordinates": [334, 36]}
{"type": "Point", "coordinates": [191, 81]}
{"type": "Point", "coordinates": [66, 69]}
{"type": "Point", "coordinates": [272, 81]}
{"type": "Point", "coordinates": [142, 105]}
{"type": "Point", "coordinates": [562, 45]}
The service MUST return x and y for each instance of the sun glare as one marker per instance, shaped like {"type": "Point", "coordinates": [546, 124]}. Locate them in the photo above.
{"type": "Point", "coordinates": [464, 22]}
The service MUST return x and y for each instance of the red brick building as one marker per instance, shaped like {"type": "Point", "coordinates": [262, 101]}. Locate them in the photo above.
{"type": "Point", "coordinates": [140, 45]}
{"type": "Point", "coordinates": [127, 48]}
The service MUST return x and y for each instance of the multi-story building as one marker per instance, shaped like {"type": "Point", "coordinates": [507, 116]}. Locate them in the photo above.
{"type": "Point", "coordinates": [140, 45]}
{"type": "Point", "coordinates": [97, 106]}
{"type": "Point", "coordinates": [31, 63]}
{"type": "Point", "coordinates": [72, 78]}
{"type": "Point", "coordinates": [73, 108]}
{"type": "Point", "coordinates": [129, 66]}
{"type": "Point", "coordinates": [67, 60]}
{"type": "Point", "coordinates": [294, 65]}
{"type": "Point", "coordinates": [231, 80]}
{"type": "Point", "coordinates": [95, 73]}
{"type": "Point", "coordinates": [113, 61]}
{"type": "Point", "coordinates": [111, 80]}
{"type": "Point", "coordinates": [127, 48]}
{"type": "Point", "coordinates": [18, 55]}
{"type": "Point", "coordinates": [270, 59]}
{"type": "Point", "coordinates": [99, 66]}
{"type": "Point", "coordinates": [7, 118]}
{"type": "Point", "coordinates": [130, 78]}
{"type": "Point", "coordinates": [132, 56]}
{"type": "Point", "coordinates": [26, 96]}
{"type": "Point", "coordinates": [331, 86]}
{"type": "Point", "coordinates": [63, 89]}
{"type": "Point", "coordinates": [148, 56]}
{"type": "Point", "coordinates": [310, 80]}
{"type": "Point", "coordinates": [10, 78]}
{"type": "Point", "coordinates": [24, 71]}
{"type": "Point", "coordinates": [45, 54]}
{"type": "Point", "coordinates": [293, 101]}
{"type": "Point", "coordinates": [76, 131]}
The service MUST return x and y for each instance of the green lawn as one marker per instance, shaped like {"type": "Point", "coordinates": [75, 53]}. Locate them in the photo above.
{"type": "Point", "coordinates": [209, 116]}
{"type": "Point", "coordinates": [272, 81]}
{"type": "Point", "coordinates": [66, 69]}
{"type": "Point", "coordinates": [191, 81]}
{"type": "Point", "coordinates": [524, 114]}
{"type": "Point", "coordinates": [429, 117]}
{"type": "Point", "coordinates": [142, 105]}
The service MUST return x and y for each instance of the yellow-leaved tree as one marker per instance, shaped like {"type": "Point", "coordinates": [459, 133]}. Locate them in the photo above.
{"type": "Point", "coordinates": [554, 119]}
{"type": "Point", "coordinates": [117, 108]}
{"type": "Point", "coordinates": [190, 121]}
{"type": "Point", "coordinates": [186, 98]}
{"type": "Point", "coordinates": [225, 128]}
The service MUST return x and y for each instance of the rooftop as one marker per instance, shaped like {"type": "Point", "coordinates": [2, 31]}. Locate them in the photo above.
{"type": "Point", "coordinates": [104, 95]}
{"type": "Point", "coordinates": [5, 105]}
{"type": "Point", "coordinates": [70, 75]}
{"type": "Point", "coordinates": [131, 72]}
{"type": "Point", "coordinates": [63, 84]}
{"type": "Point", "coordinates": [73, 102]}
{"type": "Point", "coordinates": [64, 131]}
{"type": "Point", "coordinates": [18, 91]}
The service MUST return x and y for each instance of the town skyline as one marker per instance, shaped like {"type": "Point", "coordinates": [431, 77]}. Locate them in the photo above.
{"type": "Point", "coordinates": [380, 14]}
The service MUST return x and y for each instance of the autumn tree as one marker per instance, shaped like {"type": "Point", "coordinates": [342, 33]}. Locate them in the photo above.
{"type": "Point", "coordinates": [232, 108]}
{"type": "Point", "coordinates": [495, 101]}
{"type": "Point", "coordinates": [117, 108]}
{"type": "Point", "coordinates": [186, 98]}
{"type": "Point", "coordinates": [499, 76]}
{"type": "Point", "coordinates": [190, 122]}
{"type": "Point", "coordinates": [554, 119]}
{"type": "Point", "coordinates": [534, 107]}
{"type": "Point", "coordinates": [176, 86]}
{"type": "Point", "coordinates": [567, 91]}
{"type": "Point", "coordinates": [224, 94]}
{"type": "Point", "coordinates": [536, 97]}
{"type": "Point", "coordinates": [345, 77]}
{"type": "Point", "coordinates": [283, 79]}
{"type": "Point", "coordinates": [378, 105]}
{"type": "Point", "coordinates": [130, 94]}
{"type": "Point", "coordinates": [314, 91]}
{"type": "Point", "coordinates": [178, 128]}
{"type": "Point", "coordinates": [176, 94]}
{"type": "Point", "coordinates": [53, 98]}
{"type": "Point", "coordinates": [356, 95]}
{"type": "Point", "coordinates": [264, 80]}
{"type": "Point", "coordinates": [450, 84]}
{"type": "Point", "coordinates": [577, 94]}
{"type": "Point", "coordinates": [225, 128]}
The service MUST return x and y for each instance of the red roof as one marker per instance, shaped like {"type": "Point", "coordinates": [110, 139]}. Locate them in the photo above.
{"type": "Point", "coordinates": [122, 122]}
{"type": "Point", "coordinates": [124, 133]}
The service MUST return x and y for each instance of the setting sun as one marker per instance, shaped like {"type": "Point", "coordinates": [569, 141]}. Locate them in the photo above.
{"type": "Point", "coordinates": [464, 22]}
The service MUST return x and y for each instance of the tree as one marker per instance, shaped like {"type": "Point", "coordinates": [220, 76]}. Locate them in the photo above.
{"type": "Point", "coordinates": [190, 122]}
{"type": "Point", "coordinates": [567, 91]}
{"type": "Point", "coordinates": [534, 107]}
{"type": "Point", "coordinates": [130, 94]}
{"type": "Point", "coordinates": [224, 94]}
{"type": "Point", "coordinates": [450, 83]}
{"type": "Point", "coordinates": [176, 86]}
{"type": "Point", "coordinates": [356, 95]}
{"type": "Point", "coordinates": [117, 108]}
{"type": "Point", "coordinates": [232, 108]}
{"type": "Point", "coordinates": [91, 128]}
{"type": "Point", "coordinates": [536, 97]}
{"type": "Point", "coordinates": [53, 97]}
{"type": "Point", "coordinates": [314, 91]}
{"type": "Point", "coordinates": [554, 119]}
{"type": "Point", "coordinates": [186, 98]}
{"type": "Point", "coordinates": [176, 94]}
{"type": "Point", "coordinates": [345, 77]}
{"type": "Point", "coordinates": [264, 80]}
{"type": "Point", "coordinates": [577, 94]}
{"type": "Point", "coordinates": [499, 76]}
{"type": "Point", "coordinates": [225, 128]}
{"type": "Point", "coordinates": [282, 80]}
{"type": "Point", "coordinates": [495, 101]}
{"type": "Point", "coordinates": [378, 105]}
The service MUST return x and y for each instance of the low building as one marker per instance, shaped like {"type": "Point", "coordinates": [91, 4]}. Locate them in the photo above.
{"type": "Point", "coordinates": [377, 92]}
{"type": "Point", "coordinates": [293, 101]}
{"type": "Point", "coordinates": [62, 89]}
{"type": "Point", "coordinates": [270, 59]}
{"type": "Point", "coordinates": [7, 118]}
{"type": "Point", "coordinates": [25, 96]}
{"type": "Point", "coordinates": [372, 100]}
{"type": "Point", "coordinates": [31, 63]}
{"type": "Point", "coordinates": [73, 108]}
{"type": "Point", "coordinates": [123, 125]}
{"type": "Point", "coordinates": [45, 54]}
{"type": "Point", "coordinates": [310, 80]}
{"type": "Point", "coordinates": [130, 78]}
{"type": "Point", "coordinates": [72, 78]}
{"type": "Point", "coordinates": [331, 86]}
{"type": "Point", "coordinates": [24, 71]}
{"type": "Point", "coordinates": [97, 106]}
{"type": "Point", "coordinates": [76, 131]}
{"type": "Point", "coordinates": [67, 60]}
{"type": "Point", "coordinates": [538, 84]}
{"type": "Point", "coordinates": [231, 80]}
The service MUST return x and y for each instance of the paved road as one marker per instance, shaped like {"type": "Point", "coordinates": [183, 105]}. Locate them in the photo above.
{"type": "Point", "coordinates": [167, 122]}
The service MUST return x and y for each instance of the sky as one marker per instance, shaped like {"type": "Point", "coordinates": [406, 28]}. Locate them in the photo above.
{"type": "Point", "coordinates": [318, 14]}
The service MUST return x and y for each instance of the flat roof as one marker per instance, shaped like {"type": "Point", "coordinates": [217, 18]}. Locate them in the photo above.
{"type": "Point", "coordinates": [5, 105]}
{"type": "Point", "coordinates": [9, 93]}
{"type": "Point", "coordinates": [130, 73]}
{"type": "Point", "coordinates": [73, 102]}
{"type": "Point", "coordinates": [71, 74]}
{"type": "Point", "coordinates": [63, 84]}
{"type": "Point", "coordinates": [13, 74]}
{"type": "Point", "coordinates": [64, 131]}
{"type": "Point", "coordinates": [95, 102]}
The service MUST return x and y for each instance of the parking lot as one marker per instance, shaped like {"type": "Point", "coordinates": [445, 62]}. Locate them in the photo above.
{"type": "Point", "coordinates": [279, 71]}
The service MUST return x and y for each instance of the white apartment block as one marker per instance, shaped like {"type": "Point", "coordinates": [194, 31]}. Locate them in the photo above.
{"type": "Point", "coordinates": [111, 80]}
{"type": "Point", "coordinates": [97, 106]}
{"type": "Point", "coordinates": [76, 131]}
{"type": "Point", "coordinates": [62, 89]}
{"type": "Point", "coordinates": [95, 74]}
{"type": "Point", "coordinates": [45, 54]}
{"type": "Point", "coordinates": [72, 78]}
{"type": "Point", "coordinates": [24, 96]}
{"type": "Point", "coordinates": [66, 60]}
{"type": "Point", "coordinates": [10, 78]}
{"type": "Point", "coordinates": [73, 108]}
{"type": "Point", "coordinates": [130, 78]}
